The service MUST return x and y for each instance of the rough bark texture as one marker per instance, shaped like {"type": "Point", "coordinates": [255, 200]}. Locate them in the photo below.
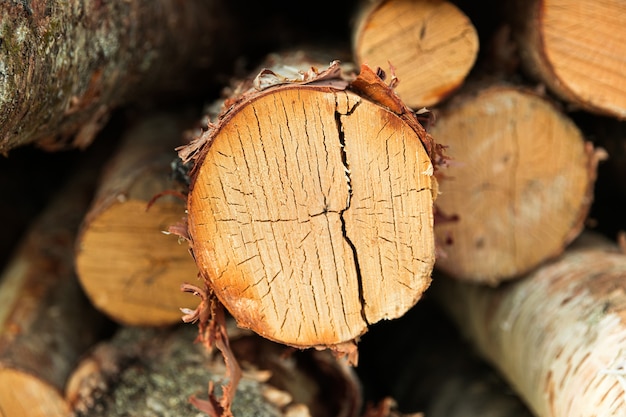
{"type": "Point", "coordinates": [128, 267]}
{"type": "Point", "coordinates": [521, 183]}
{"type": "Point", "coordinates": [558, 334]}
{"type": "Point", "coordinates": [154, 373]}
{"type": "Point", "coordinates": [65, 65]}
{"type": "Point", "coordinates": [311, 207]}
{"type": "Point", "coordinates": [46, 322]}
{"type": "Point", "coordinates": [430, 44]}
{"type": "Point", "coordinates": [576, 49]}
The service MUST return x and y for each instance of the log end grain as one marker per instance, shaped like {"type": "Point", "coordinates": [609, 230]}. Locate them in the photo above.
{"type": "Point", "coordinates": [311, 215]}
{"type": "Point", "coordinates": [25, 395]}
{"type": "Point", "coordinates": [130, 269]}
{"type": "Point", "coordinates": [521, 184]}
{"type": "Point", "coordinates": [432, 46]}
{"type": "Point", "coordinates": [576, 48]}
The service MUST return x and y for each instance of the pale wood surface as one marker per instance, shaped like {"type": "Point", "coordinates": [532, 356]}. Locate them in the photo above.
{"type": "Point", "coordinates": [520, 182]}
{"type": "Point", "coordinates": [431, 44]}
{"type": "Point", "coordinates": [128, 267]}
{"type": "Point", "coordinates": [577, 49]}
{"type": "Point", "coordinates": [311, 215]}
{"type": "Point", "coordinates": [558, 334]}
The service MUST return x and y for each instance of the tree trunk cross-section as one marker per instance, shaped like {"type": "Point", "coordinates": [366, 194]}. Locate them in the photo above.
{"type": "Point", "coordinates": [311, 214]}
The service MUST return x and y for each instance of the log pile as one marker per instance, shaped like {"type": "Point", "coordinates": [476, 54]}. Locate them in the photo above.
{"type": "Point", "coordinates": [237, 210]}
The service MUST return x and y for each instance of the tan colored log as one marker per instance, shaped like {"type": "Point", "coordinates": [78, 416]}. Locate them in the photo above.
{"type": "Point", "coordinates": [67, 65]}
{"type": "Point", "coordinates": [558, 334]}
{"type": "Point", "coordinates": [150, 372]}
{"type": "Point", "coordinates": [311, 207]}
{"type": "Point", "coordinates": [46, 322]}
{"type": "Point", "coordinates": [521, 183]}
{"type": "Point", "coordinates": [576, 49]}
{"type": "Point", "coordinates": [431, 44]}
{"type": "Point", "coordinates": [128, 267]}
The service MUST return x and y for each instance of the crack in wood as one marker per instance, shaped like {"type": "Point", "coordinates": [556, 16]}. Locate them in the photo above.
{"type": "Point", "coordinates": [346, 166]}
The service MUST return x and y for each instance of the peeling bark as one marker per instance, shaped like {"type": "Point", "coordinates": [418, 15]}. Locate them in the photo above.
{"type": "Point", "coordinates": [558, 334]}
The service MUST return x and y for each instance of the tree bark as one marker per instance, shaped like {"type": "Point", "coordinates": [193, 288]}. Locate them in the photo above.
{"type": "Point", "coordinates": [431, 45]}
{"type": "Point", "coordinates": [150, 372]}
{"type": "Point", "coordinates": [46, 322]}
{"type": "Point", "coordinates": [575, 48]}
{"type": "Point", "coordinates": [67, 65]}
{"type": "Point", "coordinates": [521, 183]}
{"type": "Point", "coordinates": [128, 267]}
{"type": "Point", "coordinates": [558, 334]}
{"type": "Point", "coordinates": [311, 207]}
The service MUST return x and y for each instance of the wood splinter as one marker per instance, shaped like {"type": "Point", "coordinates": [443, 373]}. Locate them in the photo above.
{"type": "Point", "coordinates": [310, 210]}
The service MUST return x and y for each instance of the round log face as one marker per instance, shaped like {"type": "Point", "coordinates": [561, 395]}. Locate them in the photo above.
{"type": "Point", "coordinates": [311, 215]}
{"type": "Point", "coordinates": [139, 284]}
{"type": "Point", "coordinates": [584, 45]}
{"type": "Point", "coordinates": [520, 184]}
{"type": "Point", "coordinates": [432, 45]}
{"type": "Point", "coordinates": [24, 395]}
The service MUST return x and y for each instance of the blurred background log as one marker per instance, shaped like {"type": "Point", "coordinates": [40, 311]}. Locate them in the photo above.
{"type": "Point", "coordinates": [558, 335]}
{"type": "Point", "coordinates": [46, 322]}
{"type": "Point", "coordinates": [66, 65]}
{"type": "Point", "coordinates": [521, 182]}
{"type": "Point", "coordinates": [575, 48]}
{"type": "Point", "coordinates": [155, 372]}
{"type": "Point", "coordinates": [431, 44]}
{"type": "Point", "coordinates": [128, 267]}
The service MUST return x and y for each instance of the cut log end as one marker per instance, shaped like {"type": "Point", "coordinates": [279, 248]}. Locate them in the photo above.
{"type": "Point", "coordinates": [576, 48]}
{"type": "Point", "coordinates": [29, 395]}
{"type": "Point", "coordinates": [432, 46]}
{"type": "Point", "coordinates": [521, 184]}
{"type": "Point", "coordinates": [143, 263]}
{"type": "Point", "coordinates": [310, 214]}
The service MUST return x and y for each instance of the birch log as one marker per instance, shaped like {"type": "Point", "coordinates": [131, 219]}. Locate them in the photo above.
{"type": "Point", "coordinates": [558, 334]}
{"type": "Point", "coordinates": [128, 267]}
{"type": "Point", "coordinates": [64, 66]}
{"type": "Point", "coordinates": [310, 210]}
{"type": "Point", "coordinates": [431, 45]}
{"type": "Point", "coordinates": [575, 48]}
{"type": "Point", "coordinates": [521, 182]}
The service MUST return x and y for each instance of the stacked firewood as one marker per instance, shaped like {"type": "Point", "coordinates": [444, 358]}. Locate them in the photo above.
{"type": "Point", "coordinates": [229, 200]}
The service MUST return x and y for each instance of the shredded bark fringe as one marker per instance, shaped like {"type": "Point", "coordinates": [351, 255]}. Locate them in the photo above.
{"type": "Point", "coordinates": [212, 333]}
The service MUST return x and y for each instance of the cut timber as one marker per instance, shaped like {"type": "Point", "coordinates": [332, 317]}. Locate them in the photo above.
{"type": "Point", "coordinates": [46, 322]}
{"type": "Point", "coordinates": [576, 48]}
{"type": "Point", "coordinates": [145, 372]}
{"type": "Point", "coordinates": [431, 44]}
{"type": "Point", "coordinates": [128, 267]}
{"type": "Point", "coordinates": [310, 209]}
{"type": "Point", "coordinates": [66, 65]}
{"type": "Point", "coordinates": [521, 183]}
{"type": "Point", "coordinates": [558, 335]}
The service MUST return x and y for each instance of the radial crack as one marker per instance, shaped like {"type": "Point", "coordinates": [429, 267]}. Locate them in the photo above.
{"type": "Point", "coordinates": [346, 166]}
